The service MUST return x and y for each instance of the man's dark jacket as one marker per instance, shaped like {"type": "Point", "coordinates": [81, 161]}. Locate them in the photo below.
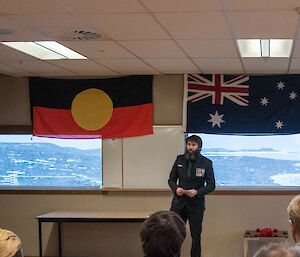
{"type": "Point", "coordinates": [202, 179]}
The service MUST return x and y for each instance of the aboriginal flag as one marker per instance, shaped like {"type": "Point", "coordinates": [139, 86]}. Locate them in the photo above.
{"type": "Point", "coordinates": [93, 108]}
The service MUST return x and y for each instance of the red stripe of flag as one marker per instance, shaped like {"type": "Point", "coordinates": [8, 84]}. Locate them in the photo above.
{"type": "Point", "coordinates": [224, 89]}
{"type": "Point", "coordinates": [125, 121]}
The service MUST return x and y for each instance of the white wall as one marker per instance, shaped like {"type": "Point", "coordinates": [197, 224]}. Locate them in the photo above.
{"type": "Point", "coordinates": [14, 101]}
{"type": "Point", "coordinates": [226, 219]}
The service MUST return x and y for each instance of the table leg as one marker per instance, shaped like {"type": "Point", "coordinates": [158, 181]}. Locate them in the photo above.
{"type": "Point", "coordinates": [40, 240]}
{"type": "Point", "coordinates": [59, 240]}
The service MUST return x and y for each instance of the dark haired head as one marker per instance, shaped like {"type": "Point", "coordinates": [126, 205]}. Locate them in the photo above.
{"type": "Point", "coordinates": [196, 139]}
{"type": "Point", "coordinates": [162, 234]}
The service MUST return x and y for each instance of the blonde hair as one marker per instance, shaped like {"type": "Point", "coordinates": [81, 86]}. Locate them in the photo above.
{"type": "Point", "coordinates": [10, 243]}
{"type": "Point", "coordinates": [294, 212]}
{"type": "Point", "coordinates": [278, 250]}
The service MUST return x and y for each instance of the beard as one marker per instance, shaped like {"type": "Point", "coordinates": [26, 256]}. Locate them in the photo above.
{"type": "Point", "coordinates": [191, 155]}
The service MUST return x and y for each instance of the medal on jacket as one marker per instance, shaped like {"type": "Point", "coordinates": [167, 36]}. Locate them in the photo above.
{"type": "Point", "coordinates": [200, 172]}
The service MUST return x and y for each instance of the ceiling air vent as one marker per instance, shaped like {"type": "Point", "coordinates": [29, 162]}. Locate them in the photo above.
{"type": "Point", "coordinates": [85, 35]}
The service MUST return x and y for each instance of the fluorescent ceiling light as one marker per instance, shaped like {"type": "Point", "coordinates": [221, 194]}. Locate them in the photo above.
{"type": "Point", "coordinates": [280, 47]}
{"type": "Point", "coordinates": [249, 47]}
{"type": "Point", "coordinates": [45, 50]}
{"type": "Point", "coordinates": [265, 47]}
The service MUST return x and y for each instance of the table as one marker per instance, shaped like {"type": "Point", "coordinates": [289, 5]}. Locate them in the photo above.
{"type": "Point", "coordinates": [85, 216]}
{"type": "Point", "coordinates": [254, 235]}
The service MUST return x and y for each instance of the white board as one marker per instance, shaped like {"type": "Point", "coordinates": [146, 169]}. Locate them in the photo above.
{"type": "Point", "coordinates": [112, 163]}
{"type": "Point", "coordinates": [147, 160]}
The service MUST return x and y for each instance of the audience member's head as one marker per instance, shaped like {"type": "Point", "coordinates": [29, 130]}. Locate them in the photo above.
{"type": "Point", "coordinates": [278, 250]}
{"type": "Point", "coordinates": [10, 244]}
{"type": "Point", "coordinates": [294, 216]}
{"type": "Point", "coordinates": [162, 234]}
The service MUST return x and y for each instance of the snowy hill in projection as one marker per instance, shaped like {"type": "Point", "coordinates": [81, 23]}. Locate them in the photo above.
{"type": "Point", "coordinates": [259, 167]}
{"type": "Point", "coordinates": [46, 164]}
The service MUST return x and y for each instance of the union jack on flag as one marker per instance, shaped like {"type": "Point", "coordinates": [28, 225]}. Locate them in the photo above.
{"type": "Point", "coordinates": [200, 87]}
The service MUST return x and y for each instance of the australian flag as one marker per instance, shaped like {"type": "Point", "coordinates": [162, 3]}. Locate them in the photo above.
{"type": "Point", "coordinates": [241, 104]}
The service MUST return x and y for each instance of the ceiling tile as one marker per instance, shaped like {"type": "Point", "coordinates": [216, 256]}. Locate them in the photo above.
{"type": "Point", "coordinates": [266, 66]}
{"type": "Point", "coordinates": [154, 48]}
{"type": "Point", "coordinates": [15, 31]}
{"type": "Point", "coordinates": [209, 48]}
{"type": "Point", "coordinates": [207, 25]}
{"type": "Point", "coordinates": [31, 6]}
{"type": "Point", "coordinates": [260, 5]}
{"type": "Point", "coordinates": [219, 65]}
{"type": "Point", "coordinates": [295, 64]}
{"type": "Point", "coordinates": [294, 71]}
{"type": "Point", "coordinates": [276, 24]}
{"type": "Point", "coordinates": [57, 74]}
{"type": "Point", "coordinates": [97, 74]}
{"type": "Point", "coordinates": [182, 6]}
{"type": "Point", "coordinates": [22, 35]}
{"type": "Point", "coordinates": [12, 71]}
{"type": "Point", "coordinates": [34, 66]}
{"type": "Point", "coordinates": [98, 49]}
{"type": "Point", "coordinates": [173, 65]}
{"type": "Point", "coordinates": [296, 50]}
{"type": "Point", "coordinates": [128, 66]}
{"type": "Point", "coordinates": [45, 22]}
{"type": "Point", "coordinates": [128, 26]}
{"type": "Point", "coordinates": [104, 6]}
{"type": "Point", "coordinates": [298, 33]}
{"type": "Point", "coordinates": [81, 66]}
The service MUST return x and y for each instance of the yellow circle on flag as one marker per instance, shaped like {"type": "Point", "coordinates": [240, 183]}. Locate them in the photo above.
{"type": "Point", "coordinates": [92, 109]}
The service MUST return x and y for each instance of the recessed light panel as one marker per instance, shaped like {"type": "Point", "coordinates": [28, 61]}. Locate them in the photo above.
{"type": "Point", "coordinates": [249, 47]}
{"type": "Point", "coordinates": [280, 47]}
{"type": "Point", "coordinates": [45, 50]}
{"type": "Point", "coordinates": [265, 47]}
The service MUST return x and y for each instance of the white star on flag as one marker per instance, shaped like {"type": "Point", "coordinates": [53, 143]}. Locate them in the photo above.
{"type": "Point", "coordinates": [216, 119]}
{"type": "Point", "coordinates": [264, 101]}
{"type": "Point", "coordinates": [279, 124]}
{"type": "Point", "coordinates": [293, 95]}
{"type": "Point", "coordinates": [280, 85]}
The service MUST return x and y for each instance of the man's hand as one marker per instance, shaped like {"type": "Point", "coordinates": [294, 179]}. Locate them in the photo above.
{"type": "Point", "coordinates": [191, 193]}
{"type": "Point", "coordinates": [179, 191]}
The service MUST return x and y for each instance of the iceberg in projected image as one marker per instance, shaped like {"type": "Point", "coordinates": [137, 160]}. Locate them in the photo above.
{"type": "Point", "coordinates": [252, 168]}
{"type": "Point", "coordinates": [50, 165]}
{"type": "Point", "coordinates": [254, 161]}
{"type": "Point", "coordinates": [287, 179]}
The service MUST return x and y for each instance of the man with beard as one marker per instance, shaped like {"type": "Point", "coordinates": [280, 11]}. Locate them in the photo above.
{"type": "Point", "coordinates": [190, 179]}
